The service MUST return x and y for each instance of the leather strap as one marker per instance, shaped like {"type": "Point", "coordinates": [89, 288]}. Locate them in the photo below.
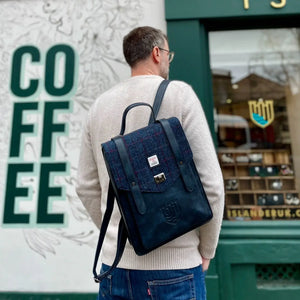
{"type": "Point", "coordinates": [122, 237]}
{"type": "Point", "coordinates": [129, 172]}
{"type": "Point", "coordinates": [184, 168]}
{"type": "Point", "coordinates": [128, 108]}
{"type": "Point", "coordinates": [158, 99]}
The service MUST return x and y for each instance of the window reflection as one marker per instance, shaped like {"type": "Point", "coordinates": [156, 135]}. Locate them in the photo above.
{"type": "Point", "coordinates": [256, 87]}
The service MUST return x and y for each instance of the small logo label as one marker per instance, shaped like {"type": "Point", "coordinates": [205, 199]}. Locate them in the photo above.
{"type": "Point", "coordinates": [171, 212]}
{"type": "Point", "coordinates": [261, 112]}
{"type": "Point", "coordinates": [153, 161]}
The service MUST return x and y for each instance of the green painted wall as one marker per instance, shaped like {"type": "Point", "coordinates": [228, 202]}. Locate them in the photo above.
{"type": "Point", "coordinates": [237, 260]}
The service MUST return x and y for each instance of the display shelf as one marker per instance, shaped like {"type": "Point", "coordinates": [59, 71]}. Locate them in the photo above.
{"type": "Point", "coordinates": [249, 184]}
{"type": "Point", "coordinates": [262, 192]}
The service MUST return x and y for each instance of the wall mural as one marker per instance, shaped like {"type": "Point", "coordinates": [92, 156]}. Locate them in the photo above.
{"type": "Point", "coordinates": [56, 57]}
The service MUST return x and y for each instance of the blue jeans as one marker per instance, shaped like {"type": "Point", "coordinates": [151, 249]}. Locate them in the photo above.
{"type": "Point", "coordinates": [122, 284]}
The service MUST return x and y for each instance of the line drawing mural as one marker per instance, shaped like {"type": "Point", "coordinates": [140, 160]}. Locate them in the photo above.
{"type": "Point", "coordinates": [95, 30]}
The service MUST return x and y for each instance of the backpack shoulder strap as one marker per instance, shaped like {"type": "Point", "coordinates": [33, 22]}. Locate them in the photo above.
{"type": "Point", "coordinates": [122, 237]}
{"type": "Point", "coordinates": [158, 98]}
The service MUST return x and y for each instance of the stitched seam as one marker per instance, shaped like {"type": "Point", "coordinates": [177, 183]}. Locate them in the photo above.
{"type": "Point", "coordinates": [171, 281]}
{"type": "Point", "coordinates": [129, 284]}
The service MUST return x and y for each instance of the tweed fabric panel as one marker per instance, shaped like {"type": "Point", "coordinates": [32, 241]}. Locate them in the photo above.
{"type": "Point", "coordinates": [142, 144]}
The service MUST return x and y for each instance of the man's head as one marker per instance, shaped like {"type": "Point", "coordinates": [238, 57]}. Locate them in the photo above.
{"type": "Point", "coordinates": [147, 48]}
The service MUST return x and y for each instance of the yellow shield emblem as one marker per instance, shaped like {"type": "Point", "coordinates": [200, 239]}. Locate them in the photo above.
{"type": "Point", "coordinates": [261, 112]}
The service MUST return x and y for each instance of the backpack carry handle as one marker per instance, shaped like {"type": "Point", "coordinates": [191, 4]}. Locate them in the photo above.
{"type": "Point", "coordinates": [154, 110]}
{"type": "Point", "coordinates": [128, 108]}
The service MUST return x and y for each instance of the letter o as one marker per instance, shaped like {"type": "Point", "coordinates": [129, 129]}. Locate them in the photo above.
{"type": "Point", "coordinates": [50, 72]}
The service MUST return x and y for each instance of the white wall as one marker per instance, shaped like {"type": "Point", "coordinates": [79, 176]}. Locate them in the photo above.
{"type": "Point", "coordinates": [58, 258]}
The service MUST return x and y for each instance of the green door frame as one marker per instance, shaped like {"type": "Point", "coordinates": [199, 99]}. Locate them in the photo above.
{"type": "Point", "coordinates": [188, 25]}
{"type": "Point", "coordinates": [189, 38]}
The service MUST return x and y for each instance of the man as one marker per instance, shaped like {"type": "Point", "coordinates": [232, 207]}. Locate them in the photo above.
{"type": "Point", "coordinates": [177, 268]}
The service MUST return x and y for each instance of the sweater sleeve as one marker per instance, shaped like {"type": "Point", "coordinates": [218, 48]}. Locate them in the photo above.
{"type": "Point", "coordinates": [199, 136]}
{"type": "Point", "coordinates": [87, 184]}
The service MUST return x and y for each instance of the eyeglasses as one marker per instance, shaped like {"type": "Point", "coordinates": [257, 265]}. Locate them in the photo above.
{"type": "Point", "coordinates": [170, 53]}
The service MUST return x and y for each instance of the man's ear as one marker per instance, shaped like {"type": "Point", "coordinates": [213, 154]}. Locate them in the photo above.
{"type": "Point", "coordinates": [156, 55]}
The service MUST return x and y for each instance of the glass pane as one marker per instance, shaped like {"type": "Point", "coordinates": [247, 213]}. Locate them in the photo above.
{"type": "Point", "coordinates": [256, 87]}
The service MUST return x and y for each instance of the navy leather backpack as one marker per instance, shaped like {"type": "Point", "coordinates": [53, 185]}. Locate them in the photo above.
{"type": "Point", "coordinates": [155, 183]}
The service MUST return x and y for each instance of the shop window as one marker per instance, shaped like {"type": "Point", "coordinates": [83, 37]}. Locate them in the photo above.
{"type": "Point", "coordinates": [256, 89]}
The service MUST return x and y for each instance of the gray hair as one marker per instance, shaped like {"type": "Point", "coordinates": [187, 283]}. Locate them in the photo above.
{"type": "Point", "coordinates": [139, 43]}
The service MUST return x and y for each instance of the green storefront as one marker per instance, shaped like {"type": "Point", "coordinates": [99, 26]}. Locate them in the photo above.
{"type": "Point", "coordinates": [242, 57]}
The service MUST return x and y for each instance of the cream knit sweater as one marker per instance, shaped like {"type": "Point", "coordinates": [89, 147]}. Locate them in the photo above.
{"type": "Point", "coordinates": [103, 123]}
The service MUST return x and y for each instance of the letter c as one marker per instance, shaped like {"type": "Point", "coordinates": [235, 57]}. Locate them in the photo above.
{"type": "Point", "coordinates": [17, 71]}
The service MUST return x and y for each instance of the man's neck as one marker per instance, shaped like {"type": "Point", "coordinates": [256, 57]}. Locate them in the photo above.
{"type": "Point", "coordinates": [144, 69]}
{"type": "Point", "coordinates": [142, 73]}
